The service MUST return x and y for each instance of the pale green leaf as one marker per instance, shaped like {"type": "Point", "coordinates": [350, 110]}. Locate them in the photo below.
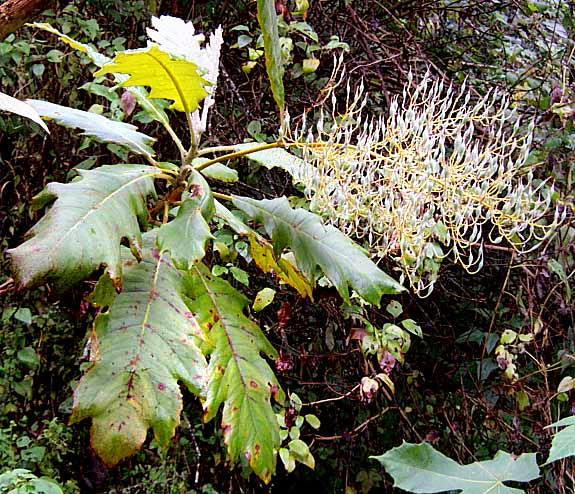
{"type": "Point", "coordinates": [268, 20]}
{"type": "Point", "coordinates": [263, 298]}
{"type": "Point", "coordinates": [566, 384]}
{"type": "Point", "coordinates": [238, 375]}
{"type": "Point", "coordinates": [144, 345]}
{"type": "Point", "coordinates": [313, 421]}
{"type": "Point", "coordinates": [315, 245]}
{"type": "Point", "coordinates": [176, 80]}
{"type": "Point", "coordinates": [13, 105]}
{"type": "Point", "coordinates": [522, 399]}
{"type": "Point", "coordinates": [310, 65]}
{"type": "Point", "coordinates": [84, 226]}
{"type": "Point", "coordinates": [23, 314]}
{"type": "Point", "coordinates": [295, 401]}
{"type": "Point", "coordinates": [411, 326]}
{"type": "Point", "coordinates": [421, 469]}
{"type": "Point", "coordinates": [294, 432]}
{"type": "Point", "coordinates": [287, 459]}
{"type": "Point", "coordinates": [43, 486]}
{"type": "Point", "coordinates": [104, 292]}
{"type": "Point", "coordinates": [28, 357]}
{"type": "Point", "coordinates": [394, 308]}
{"type": "Point", "coordinates": [508, 336]}
{"type": "Point", "coordinates": [240, 275]}
{"type": "Point", "coordinates": [217, 171]}
{"type": "Point", "coordinates": [186, 236]}
{"type": "Point", "coordinates": [273, 158]}
{"type": "Point", "coordinates": [563, 443]}
{"type": "Point", "coordinates": [298, 447]}
{"type": "Point", "coordinates": [97, 126]}
{"type": "Point", "coordinates": [231, 219]}
{"type": "Point", "coordinates": [308, 460]}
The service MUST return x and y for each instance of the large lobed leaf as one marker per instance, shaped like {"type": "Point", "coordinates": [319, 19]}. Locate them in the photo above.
{"type": "Point", "coordinates": [96, 126]}
{"type": "Point", "coordinates": [152, 108]}
{"type": "Point", "coordinates": [168, 78]}
{"type": "Point", "coordinates": [317, 245]}
{"type": "Point", "coordinates": [238, 375]}
{"type": "Point", "coordinates": [142, 347]}
{"type": "Point", "coordinates": [420, 468]}
{"type": "Point", "coordinates": [563, 443]}
{"type": "Point", "coordinates": [83, 228]}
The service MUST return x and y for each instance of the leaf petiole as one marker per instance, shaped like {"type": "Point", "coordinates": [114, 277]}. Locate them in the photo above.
{"type": "Point", "coordinates": [238, 154]}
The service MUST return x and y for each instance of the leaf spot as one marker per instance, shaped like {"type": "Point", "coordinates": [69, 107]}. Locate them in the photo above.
{"type": "Point", "coordinates": [195, 190]}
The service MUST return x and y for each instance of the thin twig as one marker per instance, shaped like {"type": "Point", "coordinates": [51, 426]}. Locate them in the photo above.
{"type": "Point", "coordinates": [356, 430]}
{"type": "Point", "coordinates": [327, 400]}
{"type": "Point", "coordinates": [7, 286]}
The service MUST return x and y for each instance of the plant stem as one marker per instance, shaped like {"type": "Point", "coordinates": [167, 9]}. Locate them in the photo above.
{"type": "Point", "coordinates": [193, 151]}
{"type": "Point", "coordinates": [219, 195]}
{"type": "Point", "coordinates": [176, 139]}
{"type": "Point", "coordinates": [215, 149]}
{"type": "Point", "coordinates": [238, 154]}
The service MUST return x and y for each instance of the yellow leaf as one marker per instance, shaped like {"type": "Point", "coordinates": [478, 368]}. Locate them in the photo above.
{"type": "Point", "coordinates": [263, 255]}
{"type": "Point", "coordinates": [177, 80]}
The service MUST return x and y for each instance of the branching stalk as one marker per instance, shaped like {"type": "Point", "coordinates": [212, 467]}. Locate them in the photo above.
{"type": "Point", "coordinates": [238, 154]}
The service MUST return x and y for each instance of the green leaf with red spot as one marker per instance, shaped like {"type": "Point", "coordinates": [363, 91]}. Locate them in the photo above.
{"type": "Point", "coordinates": [238, 375]}
{"type": "Point", "coordinates": [142, 347]}
{"type": "Point", "coordinates": [84, 226]}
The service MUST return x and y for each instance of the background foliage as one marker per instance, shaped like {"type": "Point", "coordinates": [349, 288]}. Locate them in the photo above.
{"type": "Point", "coordinates": [454, 389]}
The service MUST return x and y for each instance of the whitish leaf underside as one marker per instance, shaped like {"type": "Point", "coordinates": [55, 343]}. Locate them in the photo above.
{"type": "Point", "coordinates": [97, 126]}
{"type": "Point", "coordinates": [13, 105]}
{"type": "Point", "coordinates": [563, 443]}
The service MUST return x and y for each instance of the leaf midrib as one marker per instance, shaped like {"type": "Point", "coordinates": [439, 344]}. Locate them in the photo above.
{"type": "Point", "coordinates": [213, 299]}
{"type": "Point", "coordinates": [297, 227]}
{"type": "Point", "coordinates": [495, 481]}
{"type": "Point", "coordinates": [96, 208]}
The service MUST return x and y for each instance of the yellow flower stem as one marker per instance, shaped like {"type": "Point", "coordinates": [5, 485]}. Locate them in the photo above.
{"type": "Point", "coordinates": [238, 154]}
{"type": "Point", "coordinates": [223, 197]}
{"type": "Point", "coordinates": [215, 149]}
